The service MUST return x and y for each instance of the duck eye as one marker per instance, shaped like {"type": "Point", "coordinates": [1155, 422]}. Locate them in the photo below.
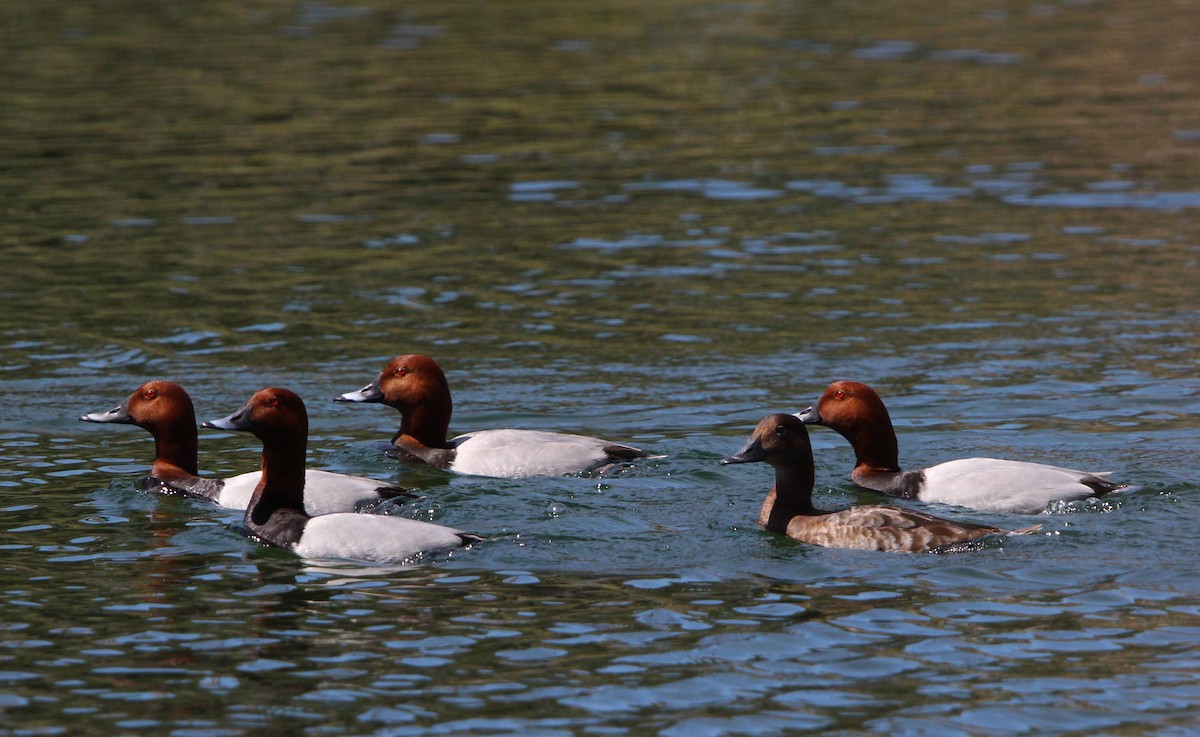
{"type": "Point", "coordinates": [150, 393]}
{"type": "Point", "coordinates": [401, 371]}
{"type": "Point", "coordinates": [274, 401]}
{"type": "Point", "coordinates": [840, 394]}
{"type": "Point", "coordinates": [781, 431]}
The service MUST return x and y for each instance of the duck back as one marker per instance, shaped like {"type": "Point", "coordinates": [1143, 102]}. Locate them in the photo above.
{"type": "Point", "coordinates": [375, 538]}
{"type": "Point", "coordinates": [524, 453]}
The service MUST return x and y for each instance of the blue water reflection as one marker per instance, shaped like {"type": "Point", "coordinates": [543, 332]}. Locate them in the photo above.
{"type": "Point", "coordinates": [648, 221]}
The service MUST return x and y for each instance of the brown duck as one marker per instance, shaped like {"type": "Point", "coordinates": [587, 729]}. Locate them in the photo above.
{"type": "Point", "coordinates": [781, 440]}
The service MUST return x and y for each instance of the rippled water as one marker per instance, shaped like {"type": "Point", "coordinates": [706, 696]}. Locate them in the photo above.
{"type": "Point", "coordinates": [654, 222]}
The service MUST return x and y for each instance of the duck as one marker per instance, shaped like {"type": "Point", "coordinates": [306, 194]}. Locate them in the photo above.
{"type": "Point", "coordinates": [855, 411]}
{"type": "Point", "coordinates": [165, 410]}
{"type": "Point", "coordinates": [277, 516]}
{"type": "Point", "coordinates": [781, 440]}
{"type": "Point", "coordinates": [415, 385]}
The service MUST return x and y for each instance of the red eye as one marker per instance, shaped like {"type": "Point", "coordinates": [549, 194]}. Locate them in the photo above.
{"type": "Point", "coordinates": [150, 393]}
{"type": "Point", "coordinates": [401, 371]}
{"type": "Point", "coordinates": [840, 394]}
{"type": "Point", "coordinates": [274, 401]}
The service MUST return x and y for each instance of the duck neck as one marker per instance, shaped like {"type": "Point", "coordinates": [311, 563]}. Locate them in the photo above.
{"type": "Point", "coordinates": [875, 448]}
{"type": "Point", "coordinates": [790, 496]}
{"type": "Point", "coordinates": [175, 451]}
{"type": "Point", "coordinates": [428, 422]}
{"type": "Point", "coordinates": [282, 482]}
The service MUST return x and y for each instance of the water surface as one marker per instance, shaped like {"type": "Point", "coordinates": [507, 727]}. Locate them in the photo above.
{"type": "Point", "coordinates": [654, 222]}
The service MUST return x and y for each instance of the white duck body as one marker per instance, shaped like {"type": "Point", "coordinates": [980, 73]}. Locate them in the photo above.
{"type": "Point", "coordinates": [325, 492]}
{"type": "Point", "coordinates": [525, 453]}
{"type": "Point", "coordinates": [375, 538]}
{"type": "Point", "coordinates": [997, 485]}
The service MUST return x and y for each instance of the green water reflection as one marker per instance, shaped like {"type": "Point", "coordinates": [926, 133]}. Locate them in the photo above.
{"type": "Point", "coordinates": [301, 163]}
{"type": "Point", "coordinates": [650, 220]}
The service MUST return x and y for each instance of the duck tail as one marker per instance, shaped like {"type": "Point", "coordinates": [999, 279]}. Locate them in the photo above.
{"type": "Point", "coordinates": [1024, 530]}
{"type": "Point", "coordinates": [620, 452]}
{"type": "Point", "coordinates": [1100, 484]}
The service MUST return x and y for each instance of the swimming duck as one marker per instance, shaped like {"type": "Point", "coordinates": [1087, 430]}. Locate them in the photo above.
{"type": "Point", "coordinates": [165, 409]}
{"type": "Point", "coordinates": [276, 514]}
{"type": "Point", "coordinates": [782, 441]}
{"type": "Point", "coordinates": [857, 413]}
{"type": "Point", "coordinates": [416, 385]}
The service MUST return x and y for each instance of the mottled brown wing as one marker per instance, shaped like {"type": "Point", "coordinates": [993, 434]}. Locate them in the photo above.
{"type": "Point", "coordinates": [884, 528]}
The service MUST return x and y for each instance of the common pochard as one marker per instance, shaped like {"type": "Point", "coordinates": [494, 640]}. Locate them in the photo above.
{"type": "Point", "coordinates": [417, 387]}
{"type": "Point", "coordinates": [782, 441]}
{"type": "Point", "coordinates": [276, 514]}
{"type": "Point", "coordinates": [165, 409]}
{"type": "Point", "coordinates": [857, 413]}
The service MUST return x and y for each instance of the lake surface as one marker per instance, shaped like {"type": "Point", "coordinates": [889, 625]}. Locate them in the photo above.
{"type": "Point", "coordinates": [650, 221]}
